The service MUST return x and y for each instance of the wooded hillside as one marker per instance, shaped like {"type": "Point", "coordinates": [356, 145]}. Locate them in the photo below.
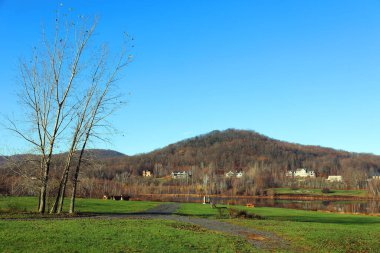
{"type": "Point", "coordinates": [263, 161]}
{"type": "Point", "coordinates": [240, 149]}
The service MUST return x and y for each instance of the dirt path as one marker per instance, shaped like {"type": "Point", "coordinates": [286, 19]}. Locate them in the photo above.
{"type": "Point", "coordinates": [259, 239]}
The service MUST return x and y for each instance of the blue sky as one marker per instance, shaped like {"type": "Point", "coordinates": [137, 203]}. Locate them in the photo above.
{"type": "Point", "coordinates": [300, 71]}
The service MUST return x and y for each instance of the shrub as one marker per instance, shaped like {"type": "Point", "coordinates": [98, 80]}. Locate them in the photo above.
{"type": "Point", "coordinates": [326, 190]}
{"type": "Point", "coordinates": [294, 187]}
{"type": "Point", "coordinates": [236, 213]}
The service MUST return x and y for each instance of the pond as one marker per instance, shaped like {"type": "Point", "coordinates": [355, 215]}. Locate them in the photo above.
{"type": "Point", "coordinates": [341, 206]}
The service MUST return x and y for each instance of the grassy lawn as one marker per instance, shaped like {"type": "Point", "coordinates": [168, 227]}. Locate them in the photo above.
{"type": "Point", "coordinates": [103, 235]}
{"type": "Point", "coordinates": [355, 193]}
{"type": "Point", "coordinates": [307, 231]}
{"type": "Point", "coordinates": [115, 235]}
{"type": "Point", "coordinates": [28, 204]}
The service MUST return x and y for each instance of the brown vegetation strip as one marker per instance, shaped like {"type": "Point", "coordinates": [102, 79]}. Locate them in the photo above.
{"type": "Point", "coordinates": [161, 197]}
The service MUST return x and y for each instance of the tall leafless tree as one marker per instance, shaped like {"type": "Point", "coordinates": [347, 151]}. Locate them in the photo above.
{"type": "Point", "coordinates": [63, 68]}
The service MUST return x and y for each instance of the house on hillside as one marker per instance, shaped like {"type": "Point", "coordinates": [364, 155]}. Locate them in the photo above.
{"type": "Point", "coordinates": [374, 178]}
{"type": "Point", "coordinates": [302, 172]}
{"type": "Point", "coordinates": [335, 179]}
{"type": "Point", "coordinates": [230, 174]}
{"type": "Point", "coordinates": [147, 173]}
{"type": "Point", "coordinates": [374, 175]}
{"type": "Point", "coordinates": [180, 174]}
{"type": "Point", "coordinates": [234, 174]}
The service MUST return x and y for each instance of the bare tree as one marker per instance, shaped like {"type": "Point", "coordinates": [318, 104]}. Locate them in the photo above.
{"type": "Point", "coordinates": [51, 83]}
{"type": "Point", "coordinates": [78, 132]}
{"type": "Point", "coordinates": [105, 103]}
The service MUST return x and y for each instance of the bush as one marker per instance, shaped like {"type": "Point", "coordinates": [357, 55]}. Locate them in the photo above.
{"type": "Point", "coordinates": [236, 213]}
{"type": "Point", "coordinates": [326, 190]}
{"type": "Point", "coordinates": [294, 187]}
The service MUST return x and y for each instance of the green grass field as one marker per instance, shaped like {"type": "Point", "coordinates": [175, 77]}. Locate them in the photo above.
{"type": "Point", "coordinates": [318, 192]}
{"type": "Point", "coordinates": [105, 235]}
{"type": "Point", "coordinates": [9, 205]}
{"type": "Point", "coordinates": [306, 231]}
{"type": "Point", "coordinates": [117, 235]}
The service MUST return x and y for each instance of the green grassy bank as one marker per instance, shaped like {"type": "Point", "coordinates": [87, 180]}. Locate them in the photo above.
{"type": "Point", "coordinates": [307, 231]}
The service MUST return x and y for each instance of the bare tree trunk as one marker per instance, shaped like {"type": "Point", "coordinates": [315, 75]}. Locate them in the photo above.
{"type": "Point", "coordinates": [95, 118]}
{"type": "Point", "coordinates": [76, 175]}
{"type": "Point", "coordinates": [44, 189]}
{"type": "Point", "coordinates": [58, 203]}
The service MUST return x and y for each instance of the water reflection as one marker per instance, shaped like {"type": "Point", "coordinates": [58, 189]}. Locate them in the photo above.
{"type": "Point", "coordinates": [348, 206]}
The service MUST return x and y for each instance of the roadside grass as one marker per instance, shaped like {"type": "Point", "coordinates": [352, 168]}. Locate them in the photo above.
{"type": "Point", "coordinates": [114, 235]}
{"type": "Point", "coordinates": [307, 231]}
{"type": "Point", "coordinates": [318, 192]}
{"type": "Point", "coordinates": [19, 206]}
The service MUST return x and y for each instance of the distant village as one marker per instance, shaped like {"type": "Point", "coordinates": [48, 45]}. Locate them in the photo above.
{"type": "Point", "coordinates": [301, 173]}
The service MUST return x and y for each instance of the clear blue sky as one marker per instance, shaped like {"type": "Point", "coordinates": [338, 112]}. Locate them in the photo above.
{"type": "Point", "coordinates": [300, 71]}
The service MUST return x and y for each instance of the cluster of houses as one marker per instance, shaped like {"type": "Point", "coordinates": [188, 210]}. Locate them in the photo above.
{"type": "Point", "coordinates": [298, 173]}
{"type": "Point", "coordinates": [305, 173]}
{"type": "Point", "coordinates": [188, 174]}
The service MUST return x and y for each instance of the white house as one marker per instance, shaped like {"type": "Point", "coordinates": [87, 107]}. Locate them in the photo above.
{"type": "Point", "coordinates": [335, 179]}
{"type": "Point", "coordinates": [239, 174]}
{"type": "Point", "coordinates": [302, 172]}
{"type": "Point", "coordinates": [147, 173]}
{"type": "Point", "coordinates": [180, 174]}
{"type": "Point", "coordinates": [234, 174]}
{"type": "Point", "coordinates": [230, 174]}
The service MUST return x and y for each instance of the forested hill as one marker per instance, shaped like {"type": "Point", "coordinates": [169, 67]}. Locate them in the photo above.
{"type": "Point", "coordinates": [2, 160]}
{"type": "Point", "coordinates": [98, 154]}
{"type": "Point", "coordinates": [221, 151]}
{"type": "Point", "coordinates": [104, 153]}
